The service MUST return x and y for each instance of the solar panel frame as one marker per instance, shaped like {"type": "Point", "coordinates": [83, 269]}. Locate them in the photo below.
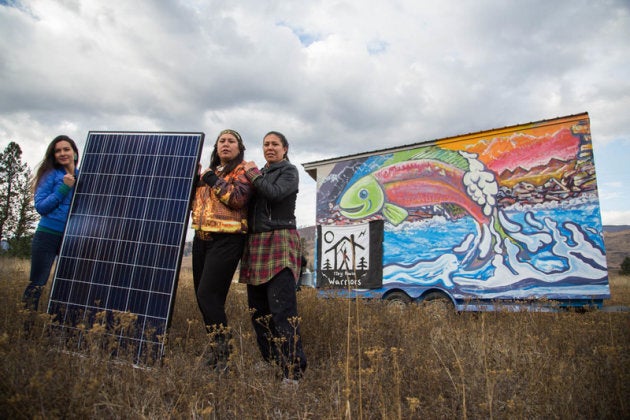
{"type": "Point", "coordinates": [123, 243]}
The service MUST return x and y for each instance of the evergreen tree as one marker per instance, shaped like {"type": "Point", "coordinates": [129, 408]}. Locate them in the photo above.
{"type": "Point", "coordinates": [25, 211]}
{"type": "Point", "coordinates": [362, 264]}
{"type": "Point", "coordinates": [26, 217]}
{"type": "Point", "coordinates": [17, 214]}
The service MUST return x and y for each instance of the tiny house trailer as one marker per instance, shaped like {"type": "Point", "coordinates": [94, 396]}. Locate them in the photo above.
{"type": "Point", "coordinates": [508, 216]}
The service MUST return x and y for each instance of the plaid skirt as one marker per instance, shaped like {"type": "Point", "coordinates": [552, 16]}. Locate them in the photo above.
{"type": "Point", "coordinates": [268, 253]}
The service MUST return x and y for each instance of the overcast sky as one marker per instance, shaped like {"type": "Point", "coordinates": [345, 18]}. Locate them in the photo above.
{"type": "Point", "coordinates": [336, 77]}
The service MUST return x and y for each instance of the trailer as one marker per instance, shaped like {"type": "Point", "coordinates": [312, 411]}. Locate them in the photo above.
{"type": "Point", "coordinates": [507, 217]}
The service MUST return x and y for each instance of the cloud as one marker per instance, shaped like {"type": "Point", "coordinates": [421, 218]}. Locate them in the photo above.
{"type": "Point", "coordinates": [616, 217]}
{"type": "Point", "coordinates": [337, 77]}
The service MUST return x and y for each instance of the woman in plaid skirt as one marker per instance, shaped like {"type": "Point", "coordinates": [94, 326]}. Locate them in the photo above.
{"type": "Point", "coordinates": [271, 262]}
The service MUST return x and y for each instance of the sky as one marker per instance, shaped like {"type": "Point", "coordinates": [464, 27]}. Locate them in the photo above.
{"type": "Point", "coordinates": [336, 77]}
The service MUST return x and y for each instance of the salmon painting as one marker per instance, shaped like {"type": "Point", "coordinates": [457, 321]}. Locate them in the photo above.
{"type": "Point", "coordinates": [434, 177]}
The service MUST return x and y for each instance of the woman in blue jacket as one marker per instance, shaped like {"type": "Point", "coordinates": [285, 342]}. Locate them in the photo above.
{"type": "Point", "coordinates": [53, 185]}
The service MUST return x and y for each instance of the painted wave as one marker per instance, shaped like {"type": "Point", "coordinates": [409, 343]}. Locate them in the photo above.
{"type": "Point", "coordinates": [552, 250]}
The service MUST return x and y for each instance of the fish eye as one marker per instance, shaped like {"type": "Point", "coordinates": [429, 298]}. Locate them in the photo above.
{"type": "Point", "coordinates": [363, 194]}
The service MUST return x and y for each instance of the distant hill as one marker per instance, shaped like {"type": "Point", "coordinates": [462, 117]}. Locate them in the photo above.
{"type": "Point", "coordinates": [616, 228]}
{"type": "Point", "coordinates": [617, 241]}
{"type": "Point", "coordinates": [307, 234]}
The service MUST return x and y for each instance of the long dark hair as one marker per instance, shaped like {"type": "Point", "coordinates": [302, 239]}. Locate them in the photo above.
{"type": "Point", "coordinates": [283, 140]}
{"type": "Point", "coordinates": [49, 162]}
{"type": "Point", "coordinates": [216, 161]}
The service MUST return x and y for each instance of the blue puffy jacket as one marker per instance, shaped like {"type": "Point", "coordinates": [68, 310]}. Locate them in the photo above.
{"type": "Point", "coordinates": [53, 199]}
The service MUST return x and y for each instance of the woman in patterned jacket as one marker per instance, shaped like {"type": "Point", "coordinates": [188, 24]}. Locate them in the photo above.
{"type": "Point", "coordinates": [219, 217]}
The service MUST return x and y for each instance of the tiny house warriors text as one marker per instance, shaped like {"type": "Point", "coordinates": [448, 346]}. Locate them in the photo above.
{"type": "Point", "coordinates": [351, 255]}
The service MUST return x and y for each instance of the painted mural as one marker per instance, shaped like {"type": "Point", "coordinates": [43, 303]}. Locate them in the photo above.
{"type": "Point", "coordinates": [508, 213]}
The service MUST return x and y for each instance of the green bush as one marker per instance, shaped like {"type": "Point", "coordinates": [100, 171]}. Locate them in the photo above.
{"type": "Point", "coordinates": [20, 247]}
{"type": "Point", "coordinates": [625, 267]}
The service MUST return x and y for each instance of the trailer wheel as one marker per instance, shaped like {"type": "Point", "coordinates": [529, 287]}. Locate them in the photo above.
{"type": "Point", "coordinates": [397, 299]}
{"type": "Point", "coordinates": [438, 303]}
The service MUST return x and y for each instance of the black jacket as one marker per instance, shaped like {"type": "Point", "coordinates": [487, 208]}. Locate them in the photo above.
{"type": "Point", "coordinates": [273, 205]}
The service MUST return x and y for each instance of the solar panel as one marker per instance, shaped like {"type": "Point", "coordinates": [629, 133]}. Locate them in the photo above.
{"type": "Point", "coordinates": [123, 244]}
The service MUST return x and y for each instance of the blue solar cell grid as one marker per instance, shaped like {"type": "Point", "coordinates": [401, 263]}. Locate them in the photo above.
{"type": "Point", "coordinates": [125, 234]}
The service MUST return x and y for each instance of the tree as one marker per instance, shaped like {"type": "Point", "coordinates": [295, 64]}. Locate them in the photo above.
{"type": "Point", "coordinates": [9, 169]}
{"type": "Point", "coordinates": [625, 267]}
{"type": "Point", "coordinates": [25, 212]}
{"type": "Point", "coordinates": [17, 214]}
{"type": "Point", "coordinates": [362, 264]}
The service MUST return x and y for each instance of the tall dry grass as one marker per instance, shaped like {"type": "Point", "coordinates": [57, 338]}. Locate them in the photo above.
{"type": "Point", "coordinates": [366, 360]}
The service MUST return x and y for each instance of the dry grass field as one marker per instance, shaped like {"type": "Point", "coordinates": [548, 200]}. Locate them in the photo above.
{"type": "Point", "coordinates": [366, 360]}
